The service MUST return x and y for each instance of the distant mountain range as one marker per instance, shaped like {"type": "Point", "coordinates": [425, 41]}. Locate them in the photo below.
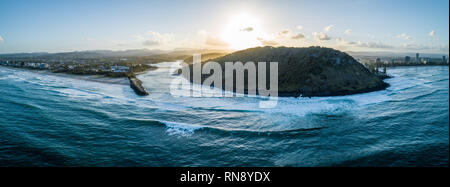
{"type": "Point", "coordinates": [88, 54]}
{"type": "Point", "coordinates": [182, 51]}
{"type": "Point", "coordinates": [110, 53]}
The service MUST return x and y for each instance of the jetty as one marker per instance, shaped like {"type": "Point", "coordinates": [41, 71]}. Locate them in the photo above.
{"type": "Point", "coordinates": [136, 85]}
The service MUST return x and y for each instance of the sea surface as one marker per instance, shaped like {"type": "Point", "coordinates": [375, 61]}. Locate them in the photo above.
{"type": "Point", "coordinates": [52, 120]}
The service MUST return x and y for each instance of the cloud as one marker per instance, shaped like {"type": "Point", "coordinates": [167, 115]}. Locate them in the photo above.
{"type": "Point", "coordinates": [411, 46]}
{"type": "Point", "coordinates": [404, 36]}
{"type": "Point", "coordinates": [87, 39]}
{"type": "Point", "coordinates": [161, 37]}
{"type": "Point", "coordinates": [138, 37]}
{"type": "Point", "coordinates": [328, 28]}
{"type": "Point", "coordinates": [421, 47]}
{"type": "Point", "coordinates": [348, 31]}
{"type": "Point", "coordinates": [267, 42]}
{"type": "Point", "coordinates": [401, 47]}
{"type": "Point", "coordinates": [211, 40]}
{"type": "Point", "coordinates": [284, 32]}
{"type": "Point", "coordinates": [298, 36]}
{"type": "Point", "coordinates": [378, 45]}
{"type": "Point", "coordinates": [1, 39]}
{"type": "Point", "coordinates": [299, 27]}
{"type": "Point", "coordinates": [432, 33]}
{"type": "Point", "coordinates": [150, 43]}
{"type": "Point", "coordinates": [214, 41]}
{"type": "Point", "coordinates": [202, 32]}
{"type": "Point", "coordinates": [341, 41]}
{"type": "Point", "coordinates": [247, 29]}
{"type": "Point", "coordinates": [152, 39]}
{"type": "Point", "coordinates": [321, 36]}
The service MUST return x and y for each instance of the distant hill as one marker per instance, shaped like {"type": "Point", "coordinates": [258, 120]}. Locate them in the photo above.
{"type": "Point", "coordinates": [177, 54]}
{"type": "Point", "coordinates": [24, 55]}
{"type": "Point", "coordinates": [87, 54]}
{"type": "Point", "coordinates": [312, 71]}
{"type": "Point", "coordinates": [205, 57]}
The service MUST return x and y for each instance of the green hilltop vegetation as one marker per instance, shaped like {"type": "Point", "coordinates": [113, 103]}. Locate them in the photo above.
{"type": "Point", "coordinates": [311, 71]}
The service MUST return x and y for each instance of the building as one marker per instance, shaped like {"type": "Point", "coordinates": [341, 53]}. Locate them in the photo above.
{"type": "Point", "coordinates": [407, 59]}
{"type": "Point", "coordinates": [119, 69]}
{"type": "Point", "coordinates": [444, 60]}
{"type": "Point", "coordinates": [417, 58]}
{"type": "Point", "coordinates": [378, 60]}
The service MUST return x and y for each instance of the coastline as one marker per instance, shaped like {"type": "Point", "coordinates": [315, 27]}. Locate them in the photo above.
{"type": "Point", "coordinates": [93, 78]}
{"type": "Point", "coordinates": [130, 79]}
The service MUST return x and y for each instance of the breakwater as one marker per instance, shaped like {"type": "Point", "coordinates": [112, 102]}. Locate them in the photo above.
{"type": "Point", "coordinates": [136, 85]}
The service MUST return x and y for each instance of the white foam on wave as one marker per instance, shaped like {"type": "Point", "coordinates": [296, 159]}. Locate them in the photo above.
{"type": "Point", "coordinates": [6, 77]}
{"type": "Point", "coordinates": [183, 129]}
{"type": "Point", "coordinates": [287, 105]}
{"type": "Point", "coordinates": [287, 115]}
{"type": "Point", "coordinates": [297, 106]}
{"type": "Point", "coordinates": [15, 77]}
{"type": "Point", "coordinates": [282, 117]}
{"type": "Point", "coordinates": [74, 88]}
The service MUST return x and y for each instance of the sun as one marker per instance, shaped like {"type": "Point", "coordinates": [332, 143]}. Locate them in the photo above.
{"type": "Point", "coordinates": [242, 31]}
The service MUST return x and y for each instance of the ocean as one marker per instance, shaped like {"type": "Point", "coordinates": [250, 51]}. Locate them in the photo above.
{"type": "Point", "coordinates": [53, 120]}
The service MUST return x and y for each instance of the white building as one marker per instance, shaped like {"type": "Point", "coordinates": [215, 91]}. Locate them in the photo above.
{"type": "Point", "coordinates": [119, 69]}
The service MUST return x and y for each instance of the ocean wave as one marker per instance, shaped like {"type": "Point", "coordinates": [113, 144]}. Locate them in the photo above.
{"type": "Point", "coordinates": [76, 88]}
{"type": "Point", "coordinates": [278, 119]}
{"type": "Point", "coordinates": [417, 96]}
{"type": "Point", "coordinates": [188, 129]}
{"type": "Point", "coordinates": [27, 105]}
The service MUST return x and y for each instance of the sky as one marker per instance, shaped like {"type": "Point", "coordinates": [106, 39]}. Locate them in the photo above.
{"type": "Point", "coordinates": [348, 25]}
